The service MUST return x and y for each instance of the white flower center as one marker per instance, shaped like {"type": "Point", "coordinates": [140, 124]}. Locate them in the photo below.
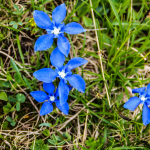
{"type": "Point", "coordinates": [52, 98]}
{"type": "Point", "coordinates": [62, 74]}
{"type": "Point", "coordinates": [143, 98]}
{"type": "Point", "coordinates": [56, 31]}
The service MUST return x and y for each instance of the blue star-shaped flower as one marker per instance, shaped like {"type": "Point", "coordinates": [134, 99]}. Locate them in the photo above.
{"type": "Point", "coordinates": [55, 29]}
{"type": "Point", "coordinates": [64, 73]}
{"type": "Point", "coordinates": [52, 97]}
{"type": "Point", "coordinates": [144, 98]}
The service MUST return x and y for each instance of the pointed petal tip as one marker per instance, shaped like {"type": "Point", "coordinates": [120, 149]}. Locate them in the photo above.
{"type": "Point", "coordinates": [35, 49]}
{"type": "Point", "coordinates": [83, 91]}
{"type": "Point", "coordinates": [126, 107]}
{"type": "Point", "coordinates": [86, 61]}
{"type": "Point", "coordinates": [146, 123]}
{"type": "Point", "coordinates": [31, 93]}
{"type": "Point", "coordinates": [63, 4]}
{"type": "Point", "coordinates": [73, 28]}
{"type": "Point", "coordinates": [66, 113]}
{"type": "Point", "coordinates": [35, 11]}
{"type": "Point", "coordinates": [84, 30]}
{"type": "Point", "coordinates": [41, 114]}
{"type": "Point", "coordinates": [59, 13]}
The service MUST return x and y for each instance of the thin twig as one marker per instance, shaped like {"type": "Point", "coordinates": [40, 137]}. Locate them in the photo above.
{"type": "Point", "coordinates": [99, 53]}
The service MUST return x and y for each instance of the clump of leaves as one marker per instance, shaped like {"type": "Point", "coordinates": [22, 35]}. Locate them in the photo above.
{"type": "Point", "coordinates": [12, 121]}
{"type": "Point", "coordinates": [8, 108]}
{"type": "Point", "coordinates": [57, 140]}
{"type": "Point", "coordinates": [20, 98]}
{"type": "Point", "coordinates": [17, 12]}
{"type": "Point", "coordinates": [39, 145]}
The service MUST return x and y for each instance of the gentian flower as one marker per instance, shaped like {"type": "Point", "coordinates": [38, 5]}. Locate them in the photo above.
{"type": "Point", "coordinates": [48, 99]}
{"type": "Point", "coordinates": [144, 98]}
{"type": "Point", "coordinates": [55, 29]}
{"type": "Point", "coordinates": [64, 73]}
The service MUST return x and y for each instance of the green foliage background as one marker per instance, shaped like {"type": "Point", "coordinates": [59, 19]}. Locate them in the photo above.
{"type": "Point", "coordinates": [92, 123]}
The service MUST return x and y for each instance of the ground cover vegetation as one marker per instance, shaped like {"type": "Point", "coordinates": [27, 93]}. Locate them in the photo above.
{"type": "Point", "coordinates": [116, 47]}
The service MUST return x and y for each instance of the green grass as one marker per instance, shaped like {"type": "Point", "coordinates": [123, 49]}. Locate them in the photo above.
{"type": "Point", "coordinates": [91, 124]}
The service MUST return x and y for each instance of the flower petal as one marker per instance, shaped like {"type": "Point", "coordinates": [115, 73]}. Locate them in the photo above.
{"type": "Point", "coordinates": [146, 114]}
{"type": "Point", "coordinates": [132, 103]}
{"type": "Point", "coordinates": [44, 42]}
{"type": "Point", "coordinates": [75, 62]}
{"type": "Point", "coordinates": [148, 89]}
{"type": "Point", "coordinates": [46, 108]}
{"type": "Point", "coordinates": [39, 96]}
{"type": "Point", "coordinates": [77, 82]}
{"type": "Point", "coordinates": [63, 45]}
{"type": "Point", "coordinates": [139, 90]}
{"type": "Point", "coordinates": [49, 88]}
{"type": "Point", "coordinates": [64, 108]}
{"type": "Point", "coordinates": [57, 58]}
{"type": "Point", "coordinates": [73, 28]}
{"type": "Point", "coordinates": [42, 19]}
{"type": "Point", "coordinates": [46, 75]}
{"type": "Point", "coordinates": [63, 91]}
{"type": "Point", "coordinates": [59, 13]}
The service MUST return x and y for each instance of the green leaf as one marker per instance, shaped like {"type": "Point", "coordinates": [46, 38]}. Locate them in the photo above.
{"type": "Point", "coordinates": [16, 13]}
{"type": "Point", "coordinates": [3, 96]}
{"type": "Point", "coordinates": [12, 22]}
{"type": "Point", "coordinates": [38, 145]}
{"type": "Point", "coordinates": [56, 122]}
{"type": "Point", "coordinates": [20, 23]}
{"type": "Point", "coordinates": [18, 106]}
{"type": "Point", "coordinates": [46, 132]}
{"type": "Point", "coordinates": [12, 99]}
{"type": "Point", "coordinates": [17, 78]}
{"type": "Point", "coordinates": [21, 98]}
{"type": "Point", "coordinates": [95, 3]}
{"type": "Point", "coordinates": [8, 108]}
{"type": "Point", "coordinates": [54, 138]}
{"type": "Point", "coordinates": [9, 76]}
{"type": "Point", "coordinates": [62, 143]}
{"type": "Point", "coordinates": [16, 7]}
{"type": "Point", "coordinates": [45, 124]}
{"type": "Point", "coordinates": [87, 21]}
{"type": "Point", "coordinates": [83, 10]}
{"type": "Point", "coordinates": [118, 1]}
{"type": "Point", "coordinates": [15, 26]}
{"type": "Point", "coordinates": [67, 136]}
{"type": "Point", "coordinates": [1, 136]}
{"type": "Point", "coordinates": [13, 123]}
{"type": "Point", "coordinates": [39, 142]}
{"type": "Point", "coordinates": [52, 142]}
{"type": "Point", "coordinates": [9, 119]}
{"type": "Point", "coordinates": [59, 138]}
{"type": "Point", "coordinates": [45, 147]}
{"type": "Point", "coordinates": [76, 19]}
{"type": "Point", "coordinates": [26, 81]}
{"type": "Point", "coordinates": [16, 69]}
{"type": "Point", "coordinates": [5, 125]}
{"type": "Point", "coordinates": [7, 84]}
{"type": "Point", "coordinates": [20, 50]}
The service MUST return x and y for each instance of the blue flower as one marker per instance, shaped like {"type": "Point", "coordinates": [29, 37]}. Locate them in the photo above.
{"type": "Point", "coordinates": [55, 29]}
{"type": "Point", "coordinates": [64, 73]}
{"type": "Point", "coordinates": [48, 99]}
{"type": "Point", "coordinates": [144, 98]}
